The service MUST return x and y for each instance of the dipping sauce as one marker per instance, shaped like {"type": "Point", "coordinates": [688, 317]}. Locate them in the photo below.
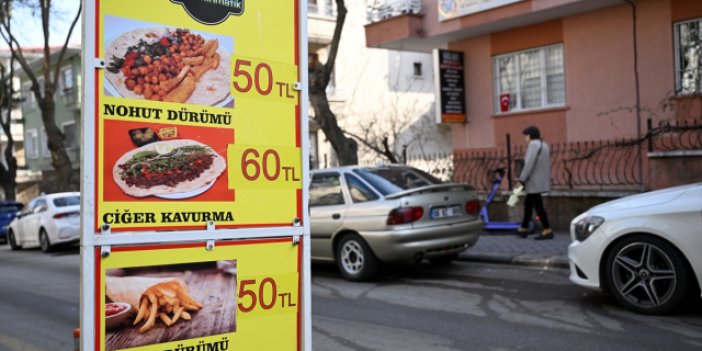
{"type": "Point", "coordinates": [112, 309]}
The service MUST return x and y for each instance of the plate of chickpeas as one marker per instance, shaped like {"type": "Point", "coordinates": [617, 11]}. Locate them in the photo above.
{"type": "Point", "coordinates": [169, 65]}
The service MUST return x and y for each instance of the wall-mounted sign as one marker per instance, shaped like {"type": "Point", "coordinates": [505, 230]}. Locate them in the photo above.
{"type": "Point", "coordinates": [185, 297]}
{"type": "Point", "coordinates": [449, 86]}
{"type": "Point", "coordinates": [197, 114]}
{"type": "Point", "coordinates": [450, 9]}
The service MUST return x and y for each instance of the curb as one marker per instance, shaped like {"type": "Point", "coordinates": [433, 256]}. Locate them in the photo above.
{"type": "Point", "coordinates": [520, 260]}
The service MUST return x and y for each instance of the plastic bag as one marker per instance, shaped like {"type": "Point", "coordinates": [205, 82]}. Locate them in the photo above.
{"type": "Point", "coordinates": [514, 197]}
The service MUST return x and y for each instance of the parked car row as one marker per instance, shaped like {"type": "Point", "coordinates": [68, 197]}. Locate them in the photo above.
{"type": "Point", "coordinates": [642, 249]}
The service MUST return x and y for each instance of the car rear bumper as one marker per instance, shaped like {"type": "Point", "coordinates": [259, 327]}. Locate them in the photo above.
{"type": "Point", "coordinates": [67, 234]}
{"type": "Point", "coordinates": [414, 243]}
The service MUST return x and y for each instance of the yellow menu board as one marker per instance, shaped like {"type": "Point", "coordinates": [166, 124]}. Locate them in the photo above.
{"type": "Point", "coordinates": [240, 295]}
{"type": "Point", "coordinates": [197, 114]}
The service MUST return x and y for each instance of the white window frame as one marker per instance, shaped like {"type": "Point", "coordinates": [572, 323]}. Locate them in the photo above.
{"type": "Point", "coordinates": [64, 86]}
{"type": "Point", "coordinates": [518, 93]}
{"type": "Point", "coordinates": [44, 142]}
{"type": "Point", "coordinates": [63, 130]}
{"type": "Point", "coordinates": [31, 137]}
{"type": "Point", "coordinates": [678, 68]}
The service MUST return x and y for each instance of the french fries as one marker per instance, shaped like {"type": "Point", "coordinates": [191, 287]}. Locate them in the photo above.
{"type": "Point", "coordinates": [168, 301]}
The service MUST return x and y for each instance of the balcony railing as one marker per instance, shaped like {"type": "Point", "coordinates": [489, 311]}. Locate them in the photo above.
{"type": "Point", "coordinates": [384, 9]}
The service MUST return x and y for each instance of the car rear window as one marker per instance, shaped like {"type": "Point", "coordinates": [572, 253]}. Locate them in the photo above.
{"type": "Point", "coordinates": [67, 201]}
{"type": "Point", "coordinates": [10, 208]}
{"type": "Point", "coordinates": [392, 180]}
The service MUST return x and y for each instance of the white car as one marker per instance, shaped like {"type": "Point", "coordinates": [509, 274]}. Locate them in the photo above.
{"type": "Point", "coordinates": [645, 250]}
{"type": "Point", "coordinates": [47, 221]}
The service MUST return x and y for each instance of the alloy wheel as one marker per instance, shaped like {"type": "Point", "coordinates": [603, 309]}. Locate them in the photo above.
{"type": "Point", "coordinates": [44, 241]}
{"type": "Point", "coordinates": [352, 257]}
{"type": "Point", "coordinates": [644, 275]}
{"type": "Point", "coordinates": [12, 241]}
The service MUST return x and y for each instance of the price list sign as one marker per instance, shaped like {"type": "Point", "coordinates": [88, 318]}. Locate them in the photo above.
{"type": "Point", "coordinates": [194, 216]}
{"type": "Point", "coordinates": [450, 86]}
{"type": "Point", "coordinates": [197, 114]}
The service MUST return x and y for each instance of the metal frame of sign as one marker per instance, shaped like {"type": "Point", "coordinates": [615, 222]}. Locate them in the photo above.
{"type": "Point", "coordinates": [93, 243]}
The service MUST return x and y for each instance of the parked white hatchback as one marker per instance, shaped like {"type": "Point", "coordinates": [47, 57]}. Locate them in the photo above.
{"type": "Point", "coordinates": [645, 250]}
{"type": "Point", "coordinates": [47, 221]}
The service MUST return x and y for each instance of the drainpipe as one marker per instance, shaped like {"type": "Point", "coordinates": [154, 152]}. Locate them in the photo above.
{"type": "Point", "coordinates": [632, 3]}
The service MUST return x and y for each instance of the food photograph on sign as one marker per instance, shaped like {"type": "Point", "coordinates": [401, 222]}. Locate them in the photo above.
{"type": "Point", "coordinates": [165, 161]}
{"type": "Point", "coordinates": [162, 63]}
{"type": "Point", "coordinates": [152, 305]}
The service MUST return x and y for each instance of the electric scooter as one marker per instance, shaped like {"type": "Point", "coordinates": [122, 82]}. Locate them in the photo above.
{"type": "Point", "coordinates": [499, 226]}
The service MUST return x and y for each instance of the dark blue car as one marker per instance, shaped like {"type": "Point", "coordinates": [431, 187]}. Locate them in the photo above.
{"type": "Point", "coordinates": [8, 212]}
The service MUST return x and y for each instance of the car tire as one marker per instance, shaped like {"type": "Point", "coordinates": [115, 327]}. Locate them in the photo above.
{"type": "Point", "coordinates": [443, 260]}
{"type": "Point", "coordinates": [44, 241]}
{"type": "Point", "coordinates": [355, 259]}
{"type": "Point", "coordinates": [12, 240]}
{"type": "Point", "coordinates": [647, 275]}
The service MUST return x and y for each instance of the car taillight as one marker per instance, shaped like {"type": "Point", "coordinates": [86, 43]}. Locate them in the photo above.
{"type": "Point", "coordinates": [473, 207]}
{"type": "Point", "coordinates": [67, 214]}
{"type": "Point", "coordinates": [404, 215]}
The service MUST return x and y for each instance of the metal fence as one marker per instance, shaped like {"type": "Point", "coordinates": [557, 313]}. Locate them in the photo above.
{"type": "Point", "coordinates": [611, 165]}
{"type": "Point", "coordinates": [672, 136]}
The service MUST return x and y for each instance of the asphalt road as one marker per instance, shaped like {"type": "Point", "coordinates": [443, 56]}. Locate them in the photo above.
{"type": "Point", "coordinates": [471, 306]}
{"type": "Point", "coordinates": [464, 306]}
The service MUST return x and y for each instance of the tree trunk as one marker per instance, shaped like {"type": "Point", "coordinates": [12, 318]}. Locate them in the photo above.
{"type": "Point", "coordinates": [67, 180]}
{"type": "Point", "coordinates": [319, 75]}
{"type": "Point", "coordinates": [346, 148]}
{"type": "Point", "coordinates": [8, 171]}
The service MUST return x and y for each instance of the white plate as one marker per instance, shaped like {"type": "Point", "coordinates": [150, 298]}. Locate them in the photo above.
{"type": "Point", "coordinates": [185, 195]}
{"type": "Point", "coordinates": [113, 92]}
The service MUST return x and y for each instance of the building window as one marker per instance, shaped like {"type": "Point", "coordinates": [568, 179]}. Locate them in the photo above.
{"type": "Point", "coordinates": [67, 77]}
{"type": "Point", "coordinates": [69, 91]}
{"type": "Point", "coordinates": [329, 8]}
{"type": "Point", "coordinates": [44, 142]}
{"type": "Point", "coordinates": [417, 70]}
{"type": "Point", "coordinates": [529, 79]}
{"type": "Point", "coordinates": [688, 56]}
{"type": "Point", "coordinates": [28, 99]}
{"type": "Point", "coordinates": [312, 6]}
{"type": "Point", "coordinates": [31, 144]}
{"type": "Point", "coordinates": [70, 135]}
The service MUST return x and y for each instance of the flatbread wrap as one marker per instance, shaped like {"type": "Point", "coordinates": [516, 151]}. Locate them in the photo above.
{"type": "Point", "coordinates": [167, 167]}
{"type": "Point", "coordinates": [149, 63]}
{"type": "Point", "coordinates": [165, 298]}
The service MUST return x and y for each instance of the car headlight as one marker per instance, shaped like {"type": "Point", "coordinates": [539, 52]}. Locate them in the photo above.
{"type": "Point", "coordinates": [586, 226]}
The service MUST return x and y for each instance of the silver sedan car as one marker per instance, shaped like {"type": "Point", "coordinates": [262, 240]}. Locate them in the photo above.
{"type": "Point", "coordinates": [362, 216]}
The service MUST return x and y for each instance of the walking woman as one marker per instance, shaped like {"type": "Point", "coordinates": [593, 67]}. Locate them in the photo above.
{"type": "Point", "coordinates": [536, 178]}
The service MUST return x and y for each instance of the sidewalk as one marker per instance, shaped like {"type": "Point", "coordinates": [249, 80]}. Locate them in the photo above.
{"type": "Point", "coordinates": [507, 247]}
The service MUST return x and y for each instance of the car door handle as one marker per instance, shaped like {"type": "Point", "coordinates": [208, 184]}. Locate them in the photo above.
{"type": "Point", "coordinates": [336, 216]}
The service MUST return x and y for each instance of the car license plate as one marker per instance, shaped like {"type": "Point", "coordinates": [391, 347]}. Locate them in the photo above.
{"type": "Point", "coordinates": [445, 212]}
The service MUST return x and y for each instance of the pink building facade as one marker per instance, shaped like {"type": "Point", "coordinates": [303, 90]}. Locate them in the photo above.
{"type": "Point", "coordinates": [577, 69]}
{"type": "Point", "coordinates": [598, 62]}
